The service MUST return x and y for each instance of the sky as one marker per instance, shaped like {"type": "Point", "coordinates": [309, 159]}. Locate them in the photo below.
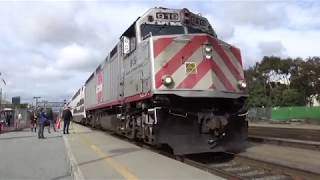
{"type": "Point", "coordinates": [49, 48]}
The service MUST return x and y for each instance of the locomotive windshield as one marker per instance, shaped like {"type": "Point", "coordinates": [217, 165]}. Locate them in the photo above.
{"type": "Point", "coordinates": [192, 30]}
{"type": "Point", "coordinates": [158, 30]}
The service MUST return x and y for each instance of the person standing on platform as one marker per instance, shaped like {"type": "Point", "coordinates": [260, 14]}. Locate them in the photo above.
{"type": "Point", "coordinates": [51, 120]}
{"type": "Point", "coordinates": [33, 122]}
{"type": "Point", "coordinates": [67, 116]}
{"type": "Point", "coordinates": [8, 118]}
{"type": "Point", "coordinates": [18, 124]}
{"type": "Point", "coordinates": [43, 121]}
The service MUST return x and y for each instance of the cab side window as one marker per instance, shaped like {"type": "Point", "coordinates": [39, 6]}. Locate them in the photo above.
{"type": "Point", "coordinates": [128, 41]}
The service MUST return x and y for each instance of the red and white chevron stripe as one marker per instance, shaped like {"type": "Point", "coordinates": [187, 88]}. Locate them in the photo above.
{"type": "Point", "coordinates": [222, 72]}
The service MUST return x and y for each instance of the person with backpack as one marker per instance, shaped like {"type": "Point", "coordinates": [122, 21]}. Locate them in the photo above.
{"type": "Point", "coordinates": [43, 122]}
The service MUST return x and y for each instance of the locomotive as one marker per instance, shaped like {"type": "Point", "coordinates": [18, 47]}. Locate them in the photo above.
{"type": "Point", "coordinates": [169, 81]}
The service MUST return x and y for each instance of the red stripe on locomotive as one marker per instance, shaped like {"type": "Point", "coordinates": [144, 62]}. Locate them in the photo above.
{"type": "Point", "coordinates": [237, 54]}
{"type": "Point", "coordinates": [206, 65]}
{"type": "Point", "coordinates": [225, 58]}
{"type": "Point", "coordinates": [174, 63]}
{"type": "Point", "coordinates": [160, 45]}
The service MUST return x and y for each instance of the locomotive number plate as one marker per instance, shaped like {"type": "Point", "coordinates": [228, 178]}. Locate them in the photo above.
{"type": "Point", "coordinates": [167, 16]}
{"type": "Point", "coordinates": [191, 68]}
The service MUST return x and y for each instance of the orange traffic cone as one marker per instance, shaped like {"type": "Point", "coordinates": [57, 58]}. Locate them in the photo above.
{"type": "Point", "coordinates": [58, 124]}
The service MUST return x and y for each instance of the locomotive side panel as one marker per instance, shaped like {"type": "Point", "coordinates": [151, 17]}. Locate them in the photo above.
{"type": "Point", "coordinates": [137, 74]}
{"type": "Point", "coordinates": [112, 91]}
{"type": "Point", "coordinates": [104, 86]}
{"type": "Point", "coordinates": [90, 92]}
{"type": "Point", "coordinates": [107, 80]}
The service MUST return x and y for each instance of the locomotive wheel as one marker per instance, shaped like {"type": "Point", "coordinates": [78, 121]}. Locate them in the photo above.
{"type": "Point", "coordinates": [132, 132]}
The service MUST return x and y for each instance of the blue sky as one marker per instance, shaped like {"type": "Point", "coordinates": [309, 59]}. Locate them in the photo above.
{"type": "Point", "coordinates": [49, 48]}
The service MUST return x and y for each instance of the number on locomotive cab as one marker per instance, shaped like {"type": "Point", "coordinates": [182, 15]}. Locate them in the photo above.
{"type": "Point", "coordinates": [167, 16]}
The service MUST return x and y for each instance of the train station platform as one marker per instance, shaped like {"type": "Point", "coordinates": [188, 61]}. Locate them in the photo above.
{"type": "Point", "coordinates": [24, 156]}
{"type": "Point", "coordinates": [98, 155]}
{"type": "Point", "coordinates": [85, 154]}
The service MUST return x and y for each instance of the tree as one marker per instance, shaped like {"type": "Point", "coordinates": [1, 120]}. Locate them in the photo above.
{"type": "Point", "coordinates": [306, 78]}
{"type": "Point", "coordinates": [279, 81]}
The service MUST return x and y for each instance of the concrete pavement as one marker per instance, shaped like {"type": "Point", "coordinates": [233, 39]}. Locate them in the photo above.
{"type": "Point", "coordinates": [85, 154]}
{"type": "Point", "coordinates": [24, 156]}
{"type": "Point", "coordinates": [99, 155]}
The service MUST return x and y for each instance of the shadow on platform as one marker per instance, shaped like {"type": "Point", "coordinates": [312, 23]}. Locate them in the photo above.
{"type": "Point", "coordinates": [118, 152]}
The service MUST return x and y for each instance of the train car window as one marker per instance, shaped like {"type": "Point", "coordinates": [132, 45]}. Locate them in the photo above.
{"type": "Point", "coordinates": [158, 30]}
{"type": "Point", "coordinates": [128, 40]}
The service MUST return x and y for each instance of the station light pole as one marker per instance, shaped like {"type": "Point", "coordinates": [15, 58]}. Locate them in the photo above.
{"type": "Point", "coordinates": [4, 82]}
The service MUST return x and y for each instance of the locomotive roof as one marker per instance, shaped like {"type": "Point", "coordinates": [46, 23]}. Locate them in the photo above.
{"type": "Point", "coordinates": [167, 16]}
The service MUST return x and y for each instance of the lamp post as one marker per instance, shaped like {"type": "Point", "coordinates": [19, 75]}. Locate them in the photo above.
{"type": "Point", "coordinates": [4, 82]}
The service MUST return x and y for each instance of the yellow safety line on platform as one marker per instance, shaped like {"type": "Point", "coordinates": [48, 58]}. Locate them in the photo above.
{"type": "Point", "coordinates": [120, 168]}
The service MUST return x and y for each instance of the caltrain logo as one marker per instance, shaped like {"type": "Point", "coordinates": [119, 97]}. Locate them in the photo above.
{"type": "Point", "coordinates": [99, 87]}
{"type": "Point", "coordinates": [191, 68]}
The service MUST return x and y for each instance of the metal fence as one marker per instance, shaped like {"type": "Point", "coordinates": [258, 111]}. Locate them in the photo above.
{"type": "Point", "coordinates": [295, 113]}
{"type": "Point", "coordinates": [259, 114]}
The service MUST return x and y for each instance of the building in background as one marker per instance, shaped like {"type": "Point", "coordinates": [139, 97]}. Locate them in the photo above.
{"type": "Point", "coordinates": [16, 100]}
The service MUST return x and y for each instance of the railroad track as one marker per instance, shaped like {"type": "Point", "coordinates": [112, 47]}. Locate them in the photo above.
{"type": "Point", "coordinates": [286, 136]}
{"type": "Point", "coordinates": [312, 145]}
{"type": "Point", "coordinates": [235, 166]}
{"type": "Point", "coordinates": [285, 132]}
{"type": "Point", "coordinates": [232, 166]}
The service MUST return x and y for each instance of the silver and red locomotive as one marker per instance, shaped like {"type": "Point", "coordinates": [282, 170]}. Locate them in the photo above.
{"type": "Point", "coordinates": [171, 81]}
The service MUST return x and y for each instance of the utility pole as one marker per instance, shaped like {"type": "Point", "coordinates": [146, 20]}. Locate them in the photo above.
{"type": "Point", "coordinates": [4, 82]}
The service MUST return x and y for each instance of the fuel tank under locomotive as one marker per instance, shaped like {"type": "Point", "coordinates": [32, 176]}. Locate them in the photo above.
{"type": "Point", "coordinates": [187, 125]}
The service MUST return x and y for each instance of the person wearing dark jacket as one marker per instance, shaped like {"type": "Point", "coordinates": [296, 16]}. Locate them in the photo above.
{"type": "Point", "coordinates": [67, 116]}
{"type": "Point", "coordinates": [51, 120]}
{"type": "Point", "coordinates": [33, 122]}
{"type": "Point", "coordinates": [43, 121]}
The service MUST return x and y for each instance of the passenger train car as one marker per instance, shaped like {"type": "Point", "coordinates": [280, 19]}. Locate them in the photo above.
{"type": "Point", "coordinates": [77, 106]}
{"type": "Point", "coordinates": [170, 81]}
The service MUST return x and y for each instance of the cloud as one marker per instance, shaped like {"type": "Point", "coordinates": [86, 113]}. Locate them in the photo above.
{"type": "Point", "coordinates": [50, 48]}
{"type": "Point", "coordinates": [304, 18]}
{"type": "Point", "coordinates": [225, 31]}
{"type": "Point", "coordinates": [75, 57]}
{"type": "Point", "coordinates": [259, 14]}
{"type": "Point", "coordinates": [272, 48]}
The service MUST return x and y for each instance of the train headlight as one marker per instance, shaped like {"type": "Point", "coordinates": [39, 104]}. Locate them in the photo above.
{"type": "Point", "coordinates": [208, 56]}
{"type": "Point", "coordinates": [242, 84]}
{"type": "Point", "coordinates": [167, 80]}
{"type": "Point", "coordinates": [207, 51]}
